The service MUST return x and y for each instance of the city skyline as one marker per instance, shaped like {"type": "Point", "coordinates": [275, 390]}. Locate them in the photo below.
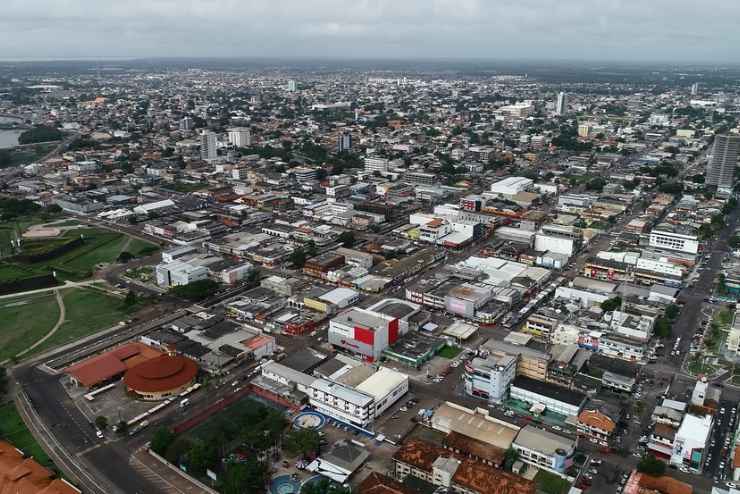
{"type": "Point", "coordinates": [533, 30]}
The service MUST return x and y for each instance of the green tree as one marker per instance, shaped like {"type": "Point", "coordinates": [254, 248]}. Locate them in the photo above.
{"type": "Point", "coordinates": [510, 457]}
{"type": "Point", "coordinates": [324, 486]}
{"type": "Point", "coordinates": [596, 184]}
{"type": "Point", "coordinates": [672, 311]}
{"type": "Point", "coordinates": [125, 257]}
{"type": "Point", "coordinates": [662, 327]}
{"type": "Point", "coordinates": [611, 304]}
{"type": "Point", "coordinates": [101, 422]}
{"type": "Point", "coordinates": [122, 428]}
{"type": "Point", "coordinates": [347, 239]}
{"type": "Point", "coordinates": [301, 441]}
{"type": "Point", "coordinates": [41, 133]}
{"type": "Point", "coordinates": [195, 291]}
{"type": "Point", "coordinates": [650, 465]}
{"type": "Point", "coordinates": [298, 258]}
{"type": "Point", "coordinates": [203, 455]}
{"type": "Point", "coordinates": [130, 299]}
{"type": "Point", "coordinates": [239, 478]}
{"type": "Point", "coordinates": [3, 381]}
{"type": "Point", "coordinates": [162, 440]}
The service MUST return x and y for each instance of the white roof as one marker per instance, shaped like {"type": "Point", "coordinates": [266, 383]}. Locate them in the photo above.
{"type": "Point", "coordinates": [338, 295]}
{"type": "Point", "coordinates": [461, 330]}
{"type": "Point", "coordinates": [382, 383]}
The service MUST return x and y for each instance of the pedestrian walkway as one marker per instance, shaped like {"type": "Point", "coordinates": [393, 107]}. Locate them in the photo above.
{"type": "Point", "coordinates": [162, 477]}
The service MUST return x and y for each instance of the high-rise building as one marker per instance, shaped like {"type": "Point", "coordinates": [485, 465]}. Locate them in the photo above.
{"type": "Point", "coordinates": [562, 105]}
{"type": "Point", "coordinates": [240, 137]}
{"type": "Point", "coordinates": [695, 89]}
{"type": "Point", "coordinates": [721, 168]}
{"type": "Point", "coordinates": [187, 123]}
{"type": "Point", "coordinates": [208, 145]}
{"type": "Point", "coordinates": [344, 142]}
{"type": "Point", "coordinates": [292, 86]}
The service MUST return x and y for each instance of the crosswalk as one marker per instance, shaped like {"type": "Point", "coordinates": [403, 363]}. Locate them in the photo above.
{"type": "Point", "coordinates": [153, 477]}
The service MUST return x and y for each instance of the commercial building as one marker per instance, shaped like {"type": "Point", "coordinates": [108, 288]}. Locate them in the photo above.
{"type": "Point", "coordinates": [364, 332]}
{"type": "Point", "coordinates": [511, 186]}
{"type": "Point", "coordinates": [557, 399]}
{"type": "Point", "coordinates": [475, 424]}
{"type": "Point", "coordinates": [160, 378]}
{"type": "Point", "coordinates": [178, 273]}
{"type": "Point", "coordinates": [531, 362]}
{"type": "Point", "coordinates": [490, 378]}
{"type": "Point", "coordinates": [208, 145]}
{"type": "Point", "coordinates": [386, 387]}
{"type": "Point", "coordinates": [544, 449]}
{"type": "Point", "coordinates": [240, 137]}
{"type": "Point", "coordinates": [375, 164]}
{"type": "Point", "coordinates": [561, 107]}
{"type": "Point", "coordinates": [721, 168]}
{"type": "Point", "coordinates": [111, 365]}
{"type": "Point", "coordinates": [690, 441]}
{"type": "Point", "coordinates": [344, 142]}
{"type": "Point", "coordinates": [668, 240]}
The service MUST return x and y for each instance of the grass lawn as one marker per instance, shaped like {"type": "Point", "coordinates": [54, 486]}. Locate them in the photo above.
{"type": "Point", "coordinates": [28, 319]}
{"type": "Point", "coordinates": [100, 246]}
{"type": "Point", "coordinates": [87, 312]}
{"type": "Point", "coordinates": [449, 352]}
{"type": "Point", "coordinates": [13, 430]}
{"type": "Point", "coordinates": [550, 483]}
{"type": "Point", "coordinates": [25, 320]}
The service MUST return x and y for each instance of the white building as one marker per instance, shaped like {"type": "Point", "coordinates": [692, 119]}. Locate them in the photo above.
{"type": "Point", "coordinates": [364, 332]}
{"type": "Point", "coordinates": [560, 400]}
{"type": "Point", "coordinates": [375, 164]}
{"type": "Point", "coordinates": [561, 107]}
{"type": "Point", "coordinates": [544, 449]}
{"type": "Point", "coordinates": [386, 387]}
{"type": "Point", "coordinates": [690, 441]}
{"type": "Point", "coordinates": [178, 273]}
{"type": "Point", "coordinates": [490, 378]}
{"type": "Point", "coordinates": [661, 239]}
{"type": "Point", "coordinates": [240, 137]}
{"type": "Point", "coordinates": [208, 145]}
{"type": "Point", "coordinates": [342, 402]}
{"type": "Point", "coordinates": [511, 186]}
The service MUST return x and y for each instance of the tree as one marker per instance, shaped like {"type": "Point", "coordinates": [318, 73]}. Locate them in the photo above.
{"type": "Point", "coordinates": [301, 441]}
{"type": "Point", "coordinates": [125, 257]}
{"type": "Point", "coordinates": [298, 258]}
{"type": "Point", "coordinates": [324, 486]}
{"type": "Point", "coordinates": [195, 291]}
{"type": "Point", "coordinates": [41, 133]}
{"type": "Point", "coordinates": [203, 455]}
{"type": "Point", "coordinates": [347, 239]}
{"type": "Point", "coordinates": [662, 327]}
{"type": "Point", "coordinates": [122, 428]}
{"type": "Point", "coordinates": [596, 184]}
{"type": "Point", "coordinates": [101, 422]}
{"type": "Point", "coordinates": [239, 478]}
{"type": "Point", "coordinates": [650, 465]}
{"type": "Point", "coordinates": [672, 311]}
{"type": "Point", "coordinates": [3, 381]}
{"type": "Point", "coordinates": [611, 304]}
{"type": "Point", "coordinates": [162, 440]}
{"type": "Point", "coordinates": [130, 299]}
{"type": "Point", "coordinates": [510, 457]}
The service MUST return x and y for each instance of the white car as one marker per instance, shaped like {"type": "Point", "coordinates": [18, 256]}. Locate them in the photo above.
{"type": "Point", "coordinates": [732, 485]}
{"type": "Point", "coordinates": [99, 433]}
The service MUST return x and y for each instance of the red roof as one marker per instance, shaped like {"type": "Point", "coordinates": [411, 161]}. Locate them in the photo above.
{"type": "Point", "coordinates": [160, 374]}
{"type": "Point", "coordinates": [105, 366]}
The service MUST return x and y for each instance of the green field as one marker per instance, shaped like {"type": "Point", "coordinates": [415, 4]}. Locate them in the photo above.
{"type": "Point", "coordinates": [13, 430]}
{"type": "Point", "coordinates": [100, 246]}
{"type": "Point", "coordinates": [88, 311]}
{"type": "Point", "coordinates": [27, 319]}
{"type": "Point", "coordinates": [550, 483]}
{"type": "Point", "coordinates": [449, 352]}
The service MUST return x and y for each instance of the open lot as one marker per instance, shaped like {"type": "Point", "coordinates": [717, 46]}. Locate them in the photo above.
{"type": "Point", "coordinates": [27, 319]}
{"type": "Point", "coordinates": [15, 431]}
{"type": "Point", "coordinates": [99, 246]}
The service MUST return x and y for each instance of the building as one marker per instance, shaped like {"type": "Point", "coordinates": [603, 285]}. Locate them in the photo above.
{"type": "Point", "coordinates": [595, 424]}
{"type": "Point", "coordinates": [721, 168]}
{"type": "Point", "coordinates": [240, 137]}
{"type": "Point", "coordinates": [186, 124]}
{"type": "Point", "coordinates": [668, 240]}
{"type": "Point", "coordinates": [344, 142]}
{"type": "Point", "coordinates": [554, 398]}
{"type": "Point", "coordinates": [364, 332]}
{"type": "Point", "coordinates": [376, 164]}
{"type": "Point", "coordinates": [561, 107]}
{"type": "Point", "coordinates": [386, 387]}
{"type": "Point", "coordinates": [178, 273]}
{"type": "Point", "coordinates": [22, 474]}
{"type": "Point", "coordinates": [341, 461]}
{"type": "Point", "coordinates": [544, 449]}
{"type": "Point", "coordinates": [435, 465]}
{"type": "Point", "coordinates": [531, 362]}
{"type": "Point", "coordinates": [160, 378]}
{"type": "Point", "coordinates": [208, 145]}
{"type": "Point", "coordinates": [690, 441]}
{"type": "Point", "coordinates": [110, 366]}
{"type": "Point", "coordinates": [342, 402]}
{"type": "Point", "coordinates": [292, 86]}
{"type": "Point", "coordinates": [490, 377]}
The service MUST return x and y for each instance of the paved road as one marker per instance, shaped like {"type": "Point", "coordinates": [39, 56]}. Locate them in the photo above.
{"type": "Point", "coordinates": [67, 284]}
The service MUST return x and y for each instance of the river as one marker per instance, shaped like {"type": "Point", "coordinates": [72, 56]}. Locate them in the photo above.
{"type": "Point", "coordinates": [9, 138]}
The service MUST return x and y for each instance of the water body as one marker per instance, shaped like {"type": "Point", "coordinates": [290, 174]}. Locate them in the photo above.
{"type": "Point", "coordinates": [9, 138]}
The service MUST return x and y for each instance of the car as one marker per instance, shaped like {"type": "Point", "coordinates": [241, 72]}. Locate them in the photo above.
{"type": "Point", "coordinates": [721, 411]}
{"type": "Point", "coordinates": [557, 428]}
{"type": "Point", "coordinates": [732, 485]}
{"type": "Point", "coordinates": [596, 461]}
{"type": "Point", "coordinates": [404, 409]}
{"type": "Point", "coordinates": [593, 471]}
{"type": "Point", "coordinates": [99, 433]}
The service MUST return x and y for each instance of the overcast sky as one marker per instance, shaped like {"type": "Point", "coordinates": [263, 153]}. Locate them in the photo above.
{"type": "Point", "coordinates": [669, 30]}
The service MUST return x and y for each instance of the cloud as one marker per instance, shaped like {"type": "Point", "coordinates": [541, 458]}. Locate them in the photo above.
{"type": "Point", "coordinates": [671, 30]}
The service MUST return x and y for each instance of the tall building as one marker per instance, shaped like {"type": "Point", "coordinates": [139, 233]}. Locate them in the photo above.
{"type": "Point", "coordinates": [208, 145]}
{"type": "Point", "coordinates": [695, 89]}
{"type": "Point", "coordinates": [187, 123]}
{"type": "Point", "coordinates": [562, 105]}
{"type": "Point", "coordinates": [292, 86]}
{"type": "Point", "coordinates": [344, 142]}
{"type": "Point", "coordinates": [240, 137]}
{"type": "Point", "coordinates": [721, 168]}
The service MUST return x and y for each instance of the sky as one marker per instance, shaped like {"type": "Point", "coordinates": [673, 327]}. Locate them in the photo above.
{"type": "Point", "coordinates": [608, 30]}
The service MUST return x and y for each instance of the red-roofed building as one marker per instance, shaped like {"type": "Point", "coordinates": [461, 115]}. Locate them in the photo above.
{"type": "Point", "coordinates": [20, 475]}
{"type": "Point", "coordinates": [161, 377]}
{"type": "Point", "coordinates": [111, 365]}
